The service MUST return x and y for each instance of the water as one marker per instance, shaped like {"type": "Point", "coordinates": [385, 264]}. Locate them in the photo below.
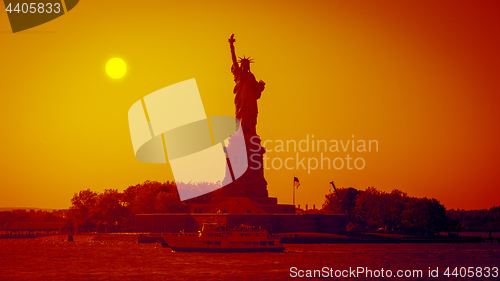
{"type": "Point", "coordinates": [46, 259]}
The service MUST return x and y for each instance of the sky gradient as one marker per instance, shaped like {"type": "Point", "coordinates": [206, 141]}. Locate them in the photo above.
{"type": "Point", "coordinates": [420, 77]}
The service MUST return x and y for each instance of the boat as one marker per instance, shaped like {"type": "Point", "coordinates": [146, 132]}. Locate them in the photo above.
{"type": "Point", "coordinates": [221, 239]}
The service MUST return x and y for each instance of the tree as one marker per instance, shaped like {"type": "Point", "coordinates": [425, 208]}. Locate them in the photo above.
{"type": "Point", "coordinates": [426, 216]}
{"type": "Point", "coordinates": [115, 211]}
{"type": "Point", "coordinates": [153, 197]}
{"type": "Point", "coordinates": [391, 206]}
{"type": "Point", "coordinates": [169, 202]}
{"type": "Point", "coordinates": [475, 220]}
{"type": "Point", "coordinates": [346, 202]}
{"type": "Point", "coordinates": [367, 208]}
{"type": "Point", "coordinates": [394, 211]}
{"type": "Point", "coordinates": [82, 209]}
{"type": "Point", "coordinates": [110, 211]}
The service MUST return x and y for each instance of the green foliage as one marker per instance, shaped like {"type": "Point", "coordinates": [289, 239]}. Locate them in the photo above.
{"type": "Point", "coordinates": [20, 215]}
{"type": "Point", "coordinates": [153, 197]}
{"type": "Point", "coordinates": [372, 209]}
{"type": "Point", "coordinates": [346, 204]}
{"type": "Point", "coordinates": [83, 208]}
{"type": "Point", "coordinates": [109, 211]}
{"type": "Point", "coordinates": [113, 211]}
{"type": "Point", "coordinates": [475, 220]}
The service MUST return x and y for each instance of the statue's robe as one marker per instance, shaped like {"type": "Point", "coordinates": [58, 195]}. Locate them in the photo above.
{"type": "Point", "coordinates": [247, 91]}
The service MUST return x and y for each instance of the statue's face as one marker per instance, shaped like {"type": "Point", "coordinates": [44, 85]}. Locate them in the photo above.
{"type": "Point", "coordinates": [245, 66]}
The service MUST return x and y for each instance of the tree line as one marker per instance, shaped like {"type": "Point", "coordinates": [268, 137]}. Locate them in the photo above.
{"type": "Point", "coordinates": [109, 211]}
{"type": "Point", "coordinates": [484, 220]}
{"type": "Point", "coordinates": [396, 212]}
{"type": "Point", "coordinates": [366, 210]}
{"type": "Point", "coordinates": [113, 211]}
{"type": "Point", "coordinates": [22, 215]}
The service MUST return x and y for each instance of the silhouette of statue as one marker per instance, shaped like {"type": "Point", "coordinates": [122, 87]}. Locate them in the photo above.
{"type": "Point", "coordinates": [247, 91]}
{"type": "Point", "coordinates": [251, 184]}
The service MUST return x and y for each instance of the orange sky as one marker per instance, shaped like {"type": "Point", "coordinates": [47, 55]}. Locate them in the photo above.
{"type": "Point", "coordinates": [420, 77]}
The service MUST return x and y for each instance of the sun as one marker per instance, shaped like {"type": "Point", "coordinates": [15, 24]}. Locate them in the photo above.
{"type": "Point", "coordinates": [116, 68]}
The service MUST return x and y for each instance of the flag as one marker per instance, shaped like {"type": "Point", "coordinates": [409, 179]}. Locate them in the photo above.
{"type": "Point", "coordinates": [296, 182]}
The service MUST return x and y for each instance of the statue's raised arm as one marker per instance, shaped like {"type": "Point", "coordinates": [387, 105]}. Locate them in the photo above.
{"type": "Point", "coordinates": [233, 53]}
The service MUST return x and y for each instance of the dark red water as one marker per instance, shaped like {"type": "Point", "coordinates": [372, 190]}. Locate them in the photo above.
{"type": "Point", "coordinates": [41, 259]}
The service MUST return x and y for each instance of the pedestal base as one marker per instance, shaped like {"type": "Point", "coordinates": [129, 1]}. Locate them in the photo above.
{"type": "Point", "coordinates": [251, 184]}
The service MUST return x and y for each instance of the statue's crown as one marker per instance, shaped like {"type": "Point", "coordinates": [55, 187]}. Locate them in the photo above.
{"type": "Point", "coordinates": [245, 59]}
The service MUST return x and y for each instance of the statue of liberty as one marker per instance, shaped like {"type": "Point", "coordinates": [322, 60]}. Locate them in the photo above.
{"type": "Point", "coordinates": [247, 91]}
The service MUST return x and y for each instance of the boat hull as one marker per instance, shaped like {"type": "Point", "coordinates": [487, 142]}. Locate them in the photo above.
{"type": "Point", "coordinates": [228, 250]}
{"type": "Point", "coordinates": [213, 238]}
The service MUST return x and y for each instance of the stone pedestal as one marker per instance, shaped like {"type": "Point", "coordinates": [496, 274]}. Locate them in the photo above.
{"type": "Point", "coordinates": [247, 192]}
{"type": "Point", "coordinates": [252, 183]}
